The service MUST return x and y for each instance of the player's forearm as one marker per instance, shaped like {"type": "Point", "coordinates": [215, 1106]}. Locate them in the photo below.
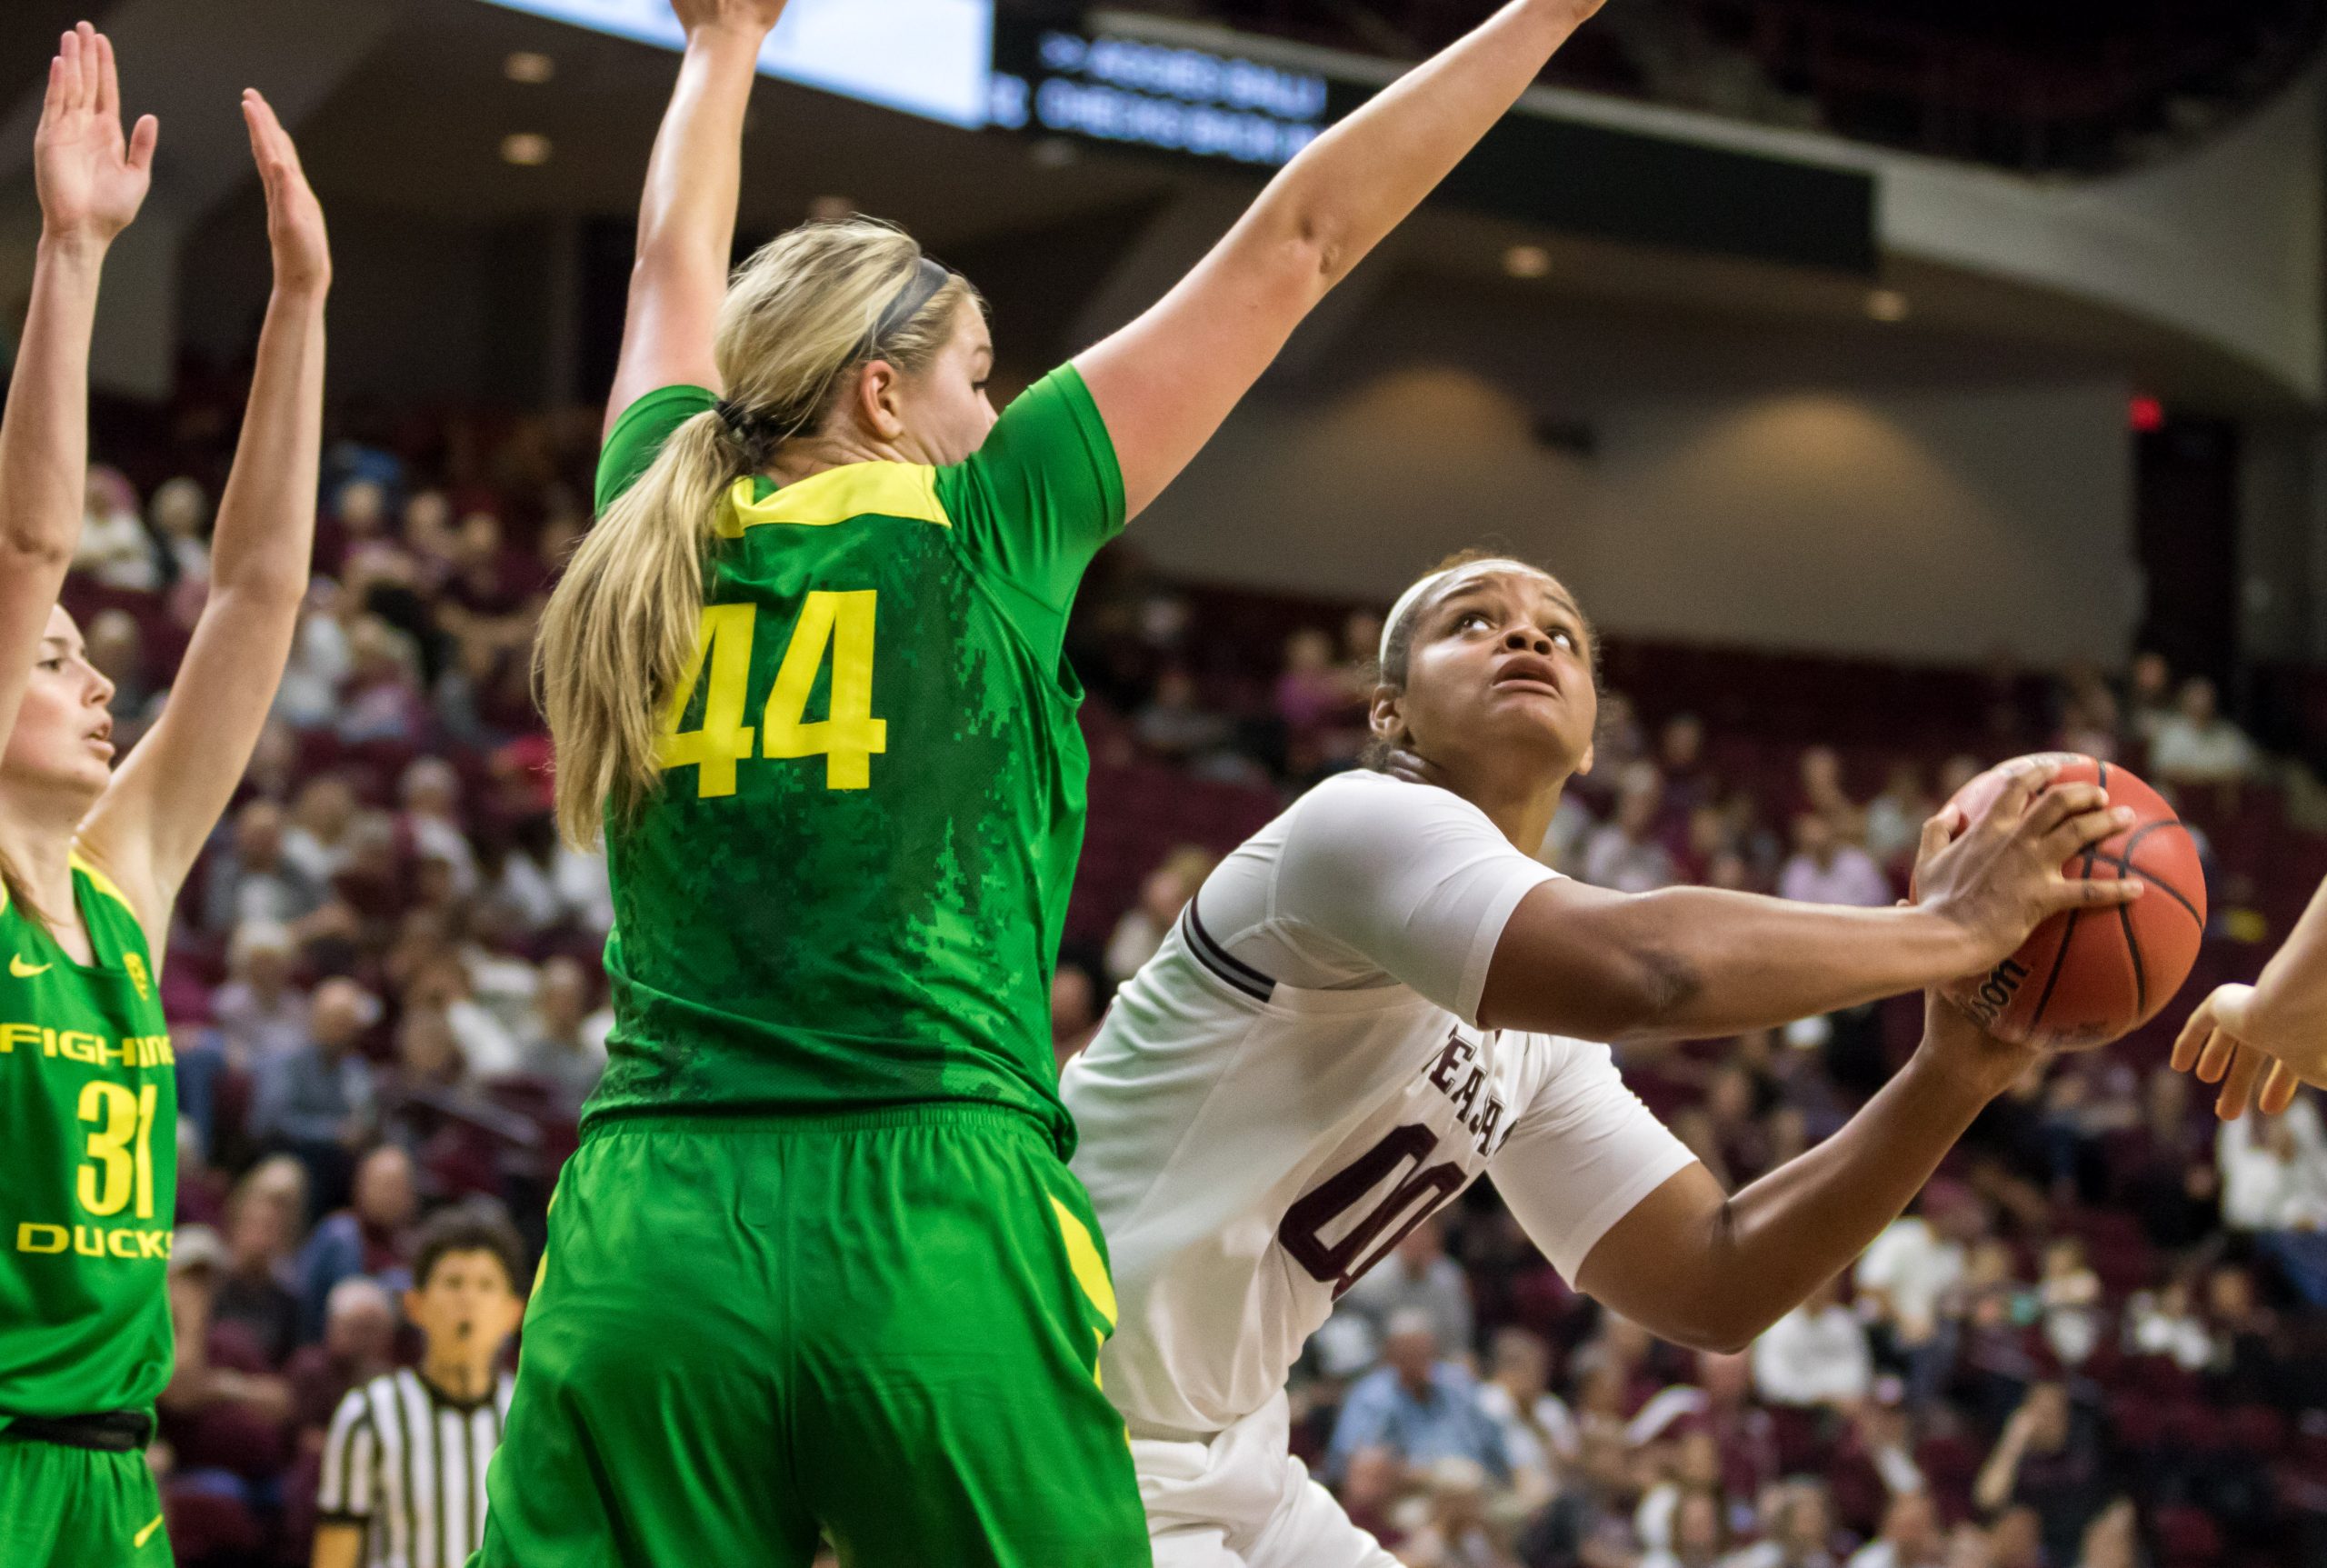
{"type": "Point", "coordinates": [265, 541]}
{"type": "Point", "coordinates": [686, 217]}
{"type": "Point", "coordinates": [45, 433]}
{"type": "Point", "coordinates": [2290, 1001]}
{"type": "Point", "coordinates": [1771, 1245]}
{"type": "Point", "coordinates": [1354, 185]}
{"type": "Point", "coordinates": [1690, 962]}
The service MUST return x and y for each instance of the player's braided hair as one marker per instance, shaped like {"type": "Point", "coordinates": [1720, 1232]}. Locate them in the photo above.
{"type": "Point", "coordinates": [807, 309]}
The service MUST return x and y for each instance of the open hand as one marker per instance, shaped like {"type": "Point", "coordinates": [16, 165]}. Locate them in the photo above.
{"type": "Point", "coordinates": [2225, 1041]}
{"type": "Point", "coordinates": [2000, 877]}
{"type": "Point", "coordinates": [294, 219]}
{"type": "Point", "coordinates": [92, 179]}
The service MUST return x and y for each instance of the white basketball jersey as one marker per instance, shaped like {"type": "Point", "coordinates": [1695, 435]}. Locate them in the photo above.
{"type": "Point", "coordinates": [1252, 1147]}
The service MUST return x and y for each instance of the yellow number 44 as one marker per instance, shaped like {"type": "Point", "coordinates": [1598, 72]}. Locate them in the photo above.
{"type": "Point", "coordinates": [837, 625]}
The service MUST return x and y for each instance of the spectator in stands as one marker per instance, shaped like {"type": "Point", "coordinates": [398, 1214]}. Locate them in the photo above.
{"type": "Point", "coordinates": [256, 880]}
{"type": "Point", "coordinates": [316, 1100]}
{"type": "Point", "coordinates": [1819, 777]}
{"type": "Point", "coordinates": [224, 1409]}
{"type": "Point", "coordinates": [1162, 895]}
{"type": "Point", "coordinates": [1455, 1534]}
{"type": "Point", "coordinates": [1700, 1533]}
{"type": "Point", "coordinates": [2070, 1296]}
{"type": "Point", "coordinates": [1311, 694]}
{"type": "Point", "coordinates": [1816, 1354]}
{"type": "Point", "coordinates": [1895, 818]}
{"type": "Point", "coordinates": [358, 1345]}
{"type": "Point", "coordinates": [1420, 1406]}
{"type": "Point", "coordinates": [1624, 853]}
{"type": "Point", "coordinates": [1910, 1537]}
{"type": "Point", "coordinates": [370, 1237]}
{"type": "Point", "coordinates": [2049, 1459]}
{"type": "Point", "coordinates": [1590, 1522]}
{"type": "Point", "coordinates": [1689, 781]}
{"type": "Point", "coordinates": [431, 819]}
{"type": "Point", "coordinates": [258, 1011]}
{"type": "Point", "coordinates": [1827, 869]}
{"type": "Point", "coordinates": [1417, 1276]}
{"type": "Point", "coordinates": [2165, 1323]}
{"type": "Point", "coordinates": [1540, 1440]}
{"type": "Point", "coordinates": [264, 1217]}
{"type": "Point", "coordinates": [1796, 1527]}
{"type": "Point", "coordinates": [115, 548]}
{"type": "Point", "coordinates": [563, 1043]}
{"type": "Point", "coordinates": [381, 699]}
{"type": "Point", "coordinates": [2275, 1170]}
{"type": "Point", "coordinates": [2149, 696]}
{"type": "Point", "coordinates": [321, 660]}
{"type": "Point", "coordinates": [178, 513]}
{"type": "Point", "coordinates": [2197, 746]}
{"type": "Point", "coordinates": [1911, 1269]}
{"type": "Point", "coordinates": [1074, 1011]}
{"type": "Point", "coordinates": [316, 838]}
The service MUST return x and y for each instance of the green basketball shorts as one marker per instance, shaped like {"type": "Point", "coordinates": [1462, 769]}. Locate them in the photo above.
{"type": "Point", "coordinates": [77, 1508]}
{"type": "Point", "coordinates": [883, 1330]}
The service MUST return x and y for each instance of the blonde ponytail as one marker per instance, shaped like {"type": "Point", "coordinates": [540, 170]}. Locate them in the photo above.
{"type": "Point", "coordinates": [807, 307]}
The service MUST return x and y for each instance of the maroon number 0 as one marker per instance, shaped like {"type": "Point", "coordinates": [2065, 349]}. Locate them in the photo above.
{"type": "Point", "coordinates": [1413, 1200]}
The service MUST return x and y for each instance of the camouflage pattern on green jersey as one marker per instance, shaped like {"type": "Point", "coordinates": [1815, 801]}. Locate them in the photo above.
{"type": "Point", "coordinates": [849, 893]}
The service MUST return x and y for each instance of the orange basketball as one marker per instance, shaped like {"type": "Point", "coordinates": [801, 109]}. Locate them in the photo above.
{"type": "Point", "coordinates": [2085, 977]}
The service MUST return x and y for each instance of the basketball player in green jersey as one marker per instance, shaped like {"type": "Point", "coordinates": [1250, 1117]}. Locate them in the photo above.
{"type": "Point", "coordinates": [91, 856]}
{"type": "Point", "coordinates": [818, 1265]}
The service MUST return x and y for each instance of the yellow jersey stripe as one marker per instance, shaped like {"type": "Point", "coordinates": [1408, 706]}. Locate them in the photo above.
{"type": "Point", "coordinates": [1083, 1257]}
{"type": "Point", "coordinates": [836, 495]}
{"type": "Point", "coordinates": [102, 882]}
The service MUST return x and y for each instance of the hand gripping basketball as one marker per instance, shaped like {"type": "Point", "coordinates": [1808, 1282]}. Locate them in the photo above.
{"type": "Point", "coordinates": [2093, 957]}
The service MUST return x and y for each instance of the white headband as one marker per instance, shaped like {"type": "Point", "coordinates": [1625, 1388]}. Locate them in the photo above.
{"type": "Point", "coordinates": [1413, 597]}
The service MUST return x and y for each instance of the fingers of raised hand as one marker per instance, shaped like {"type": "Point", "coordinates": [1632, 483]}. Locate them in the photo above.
{"type": "Point", "coordinates": [2278, 1089]}
{"type": "Point", "coordinates": [2238, 1085]}
{"type": "Point", "coordinates": [2061, 802]}
{"type": "Point", "coordinates": [2213, 1061]}
{"type": "Point", "coordinates": [2024, 777]}
{"type": "Point", "coordinates": [108, 82]}
{"type": "Point", "coordinates": [2195, 1032]}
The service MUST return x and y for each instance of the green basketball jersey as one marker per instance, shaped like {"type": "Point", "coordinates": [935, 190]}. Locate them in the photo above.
{"type": "Point", "coordinates": [848, 892]}
{"type": "Point", "coordinates": [88, 1165]}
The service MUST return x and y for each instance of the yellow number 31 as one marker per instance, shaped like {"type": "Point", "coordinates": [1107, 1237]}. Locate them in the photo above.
{"type": "Point", "coordinates": [846, 737]}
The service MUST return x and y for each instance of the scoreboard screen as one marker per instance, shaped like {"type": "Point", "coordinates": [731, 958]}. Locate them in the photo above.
{"type": "Point", "coordinates": [926, 57]}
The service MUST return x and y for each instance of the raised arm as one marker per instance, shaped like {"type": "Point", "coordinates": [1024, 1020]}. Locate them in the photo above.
{"type": "Point", "coordinates": [1691, 963]}
{"type": "Point", "coordinates": [152, 819]}
{"type": "Point", "coordinates": [92, 181]}
{"type": "Point", "coordinates": [2272, 1032]}
{"type": "Point", "coordinates": [687, 218]}
{"type": "Point", "coordinates": [1703, 1268]}
{"type": "Point", "coordinates": [1165, 381]}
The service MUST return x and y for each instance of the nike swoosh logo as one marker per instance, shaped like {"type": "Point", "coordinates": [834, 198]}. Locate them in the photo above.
{"type": "Point", "coordinates": [23, 971]}
{"type": "Point", "coordinates": [145, 1534]}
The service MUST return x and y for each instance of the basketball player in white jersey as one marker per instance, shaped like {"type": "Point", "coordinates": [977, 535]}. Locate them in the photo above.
{"type": "Point", "coordinates": [1382, 995]}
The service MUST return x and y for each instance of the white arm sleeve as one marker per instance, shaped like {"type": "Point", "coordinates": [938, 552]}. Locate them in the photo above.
{"type": "Point", "coordinates": [1415, 878]}
{"type": "Point", "coordinates": [1581, 1156]}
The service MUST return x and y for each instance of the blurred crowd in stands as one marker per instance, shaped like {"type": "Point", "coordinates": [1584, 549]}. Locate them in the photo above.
{"type": "Point", "coordinates": [2094, 1344]}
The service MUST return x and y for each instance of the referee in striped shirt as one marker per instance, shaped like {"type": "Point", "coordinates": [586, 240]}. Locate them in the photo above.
{"type": "Point", "coordinates": [404, 1467]}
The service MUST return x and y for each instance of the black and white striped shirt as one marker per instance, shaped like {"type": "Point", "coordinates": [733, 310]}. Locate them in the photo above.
{"type": "Point", "coordinates": [406, 1461]}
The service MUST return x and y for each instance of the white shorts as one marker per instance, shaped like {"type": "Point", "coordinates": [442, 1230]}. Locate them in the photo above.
{"type": "Point", "coordinates": [1243, 1501]}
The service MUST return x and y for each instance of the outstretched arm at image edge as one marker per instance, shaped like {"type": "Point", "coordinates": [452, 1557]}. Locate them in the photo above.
{"type": "Point", "coordinates": [2272, 1033]}
{"type": "Point", "coordinates": [686, 214]}
{"type": "Point", "coordinates": [1165, 381]}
